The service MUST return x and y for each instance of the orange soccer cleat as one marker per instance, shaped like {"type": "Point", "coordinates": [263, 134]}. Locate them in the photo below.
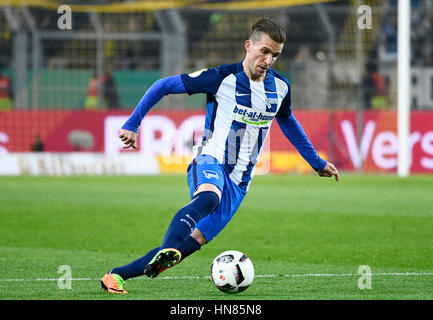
{"type": "Point", "coordinates": [113, 283]}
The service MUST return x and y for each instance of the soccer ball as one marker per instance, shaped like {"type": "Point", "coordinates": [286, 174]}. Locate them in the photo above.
{"type": "Point", "coordinates": [232, 271]}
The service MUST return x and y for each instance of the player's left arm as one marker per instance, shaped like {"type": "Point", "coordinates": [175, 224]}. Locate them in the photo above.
{"type": "Point", "coordinates": [328, 171]}
{"type": "Point", "coordinates": [294, 132]}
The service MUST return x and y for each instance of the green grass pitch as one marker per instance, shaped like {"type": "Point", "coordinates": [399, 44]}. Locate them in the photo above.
{"type": "Point", "coordinates": [307, 236]}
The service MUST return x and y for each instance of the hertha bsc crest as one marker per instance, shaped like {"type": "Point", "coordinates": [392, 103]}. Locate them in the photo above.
{"type": "Point", "coordinates": [210, 174]}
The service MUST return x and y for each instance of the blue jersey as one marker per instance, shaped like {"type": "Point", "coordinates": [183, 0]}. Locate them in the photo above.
{"type": "Point", "coordinates": [239, 114]}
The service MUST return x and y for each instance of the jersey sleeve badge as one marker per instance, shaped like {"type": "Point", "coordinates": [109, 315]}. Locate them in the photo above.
{"type": "Point", "coordinates": [197, 73]}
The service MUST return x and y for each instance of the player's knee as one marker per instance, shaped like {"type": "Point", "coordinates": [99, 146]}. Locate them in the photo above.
{"type": "Point", "coordinates": [208, 187]}
{"type": "Point", "coordinates": [199, 237]}
{"type": "Point", "coordinates": [208, 200]}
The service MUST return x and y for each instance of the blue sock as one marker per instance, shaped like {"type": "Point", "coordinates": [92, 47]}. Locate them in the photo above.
{"type": "Point", "coordinates": [189, 246]}
{"type": "Point", "coordinates": [186, 219]}
{"type": "Point", "coordinates": [136, 268]}
{"type": "Point", "coordinates": [178, 233]}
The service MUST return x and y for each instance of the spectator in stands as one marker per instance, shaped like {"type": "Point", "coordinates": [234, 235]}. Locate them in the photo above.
{"type": "Point", "coordinates": [390, 38]}
{"type": "Point", "coordinates": [92, 100]}
{"type": "Point", "coordinates": [111, 96]}
{"type": "Point", "coordinates": [374, 87]}
{"type": "Point", "coordinates": [309, 73]}
{"type": "Point", "coordinates": [5, 92]}
{"type": "Point", "coordinates": [38, 145]}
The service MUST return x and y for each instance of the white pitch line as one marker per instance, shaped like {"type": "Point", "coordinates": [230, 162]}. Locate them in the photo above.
{"type": "Point", "coordinates": [395, 274]}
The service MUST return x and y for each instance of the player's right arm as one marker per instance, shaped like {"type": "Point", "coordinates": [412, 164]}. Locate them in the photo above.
{"type": "Point", "coordinates": [129, 138]}
{"type": "Point", "coordinates": [162, 87]}
{"type": "Point", "coordinates": [202, 81]}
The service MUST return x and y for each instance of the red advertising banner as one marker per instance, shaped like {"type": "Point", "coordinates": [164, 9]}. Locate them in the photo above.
{"type": "Point", "coordinates": [375, 147]}
{"type": "Point", "coordinates": [169, 135]}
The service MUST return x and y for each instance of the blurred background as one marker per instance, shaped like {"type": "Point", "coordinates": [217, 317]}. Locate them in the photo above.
{"type": "Point", "coordinates": [67, 86]}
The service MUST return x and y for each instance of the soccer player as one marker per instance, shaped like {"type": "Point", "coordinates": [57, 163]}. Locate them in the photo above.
{"type": "Point", "coordinates": [242, 101]}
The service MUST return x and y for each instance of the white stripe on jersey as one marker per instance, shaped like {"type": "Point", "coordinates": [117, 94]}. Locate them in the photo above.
{"type": "Point", "coordinates": [255, 119]}
{"type": "Point", "coordinates": [247, 152]}
{"type": "Point", "coordinates": [282, 89]}
{"type": "Point", "coordinates": [215, 146]}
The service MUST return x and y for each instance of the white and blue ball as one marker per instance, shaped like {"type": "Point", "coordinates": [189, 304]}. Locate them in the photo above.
{"type": "Point", "coordinates": [232, 271]}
